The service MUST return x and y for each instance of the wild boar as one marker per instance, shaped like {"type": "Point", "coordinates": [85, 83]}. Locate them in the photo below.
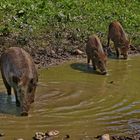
{"type": "Point", "coordinates": [117, 34]}
{"type": "Point", "coordinates": [18, 72]}
{"type": "Point", "coordinates": [95, 52]}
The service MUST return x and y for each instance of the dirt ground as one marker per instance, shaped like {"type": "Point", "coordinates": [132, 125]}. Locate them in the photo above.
{"type": "Point", "coordinates": [48, 50]}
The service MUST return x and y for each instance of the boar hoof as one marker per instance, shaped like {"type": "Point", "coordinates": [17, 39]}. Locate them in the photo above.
{"type": "Point", "coordinates": [88, 66]}
{"type": "Point", "coordinates": [24, 114]}
{"type": "Point", "coordinates": [94, 68]}
{"type": "Point", "coordinates": [17, 103]}
{"type": "Point", "coordinates": [125, 58]}
{"type": "Point", "coordinates": [104, 73]}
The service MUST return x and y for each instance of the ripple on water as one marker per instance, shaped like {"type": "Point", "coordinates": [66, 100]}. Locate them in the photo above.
{"type": "Point", "coordinates": [76, 101]}
{"type": "Point", "coordinates": [64, 103]}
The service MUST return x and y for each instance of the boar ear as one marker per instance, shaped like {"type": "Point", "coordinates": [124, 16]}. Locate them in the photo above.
{"type": "Point", "coordinates": [96, 42]}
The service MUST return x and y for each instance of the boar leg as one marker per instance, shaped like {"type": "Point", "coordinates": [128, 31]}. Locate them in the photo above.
{"type": "Point", "coordinates": [117, 51]}
{"type": "Point", "coordinates": [16, 96]}
{"type": "Point", "coordinates": [108, 48]}
{"type": "Point", "coordinates": [108, 41]}
{"type": "Point", "coordinates": [93, 64]}
{"type": "Point", "coordinates": [32, 96]}
{"type": "Point", "coordinates": [25, 104]}
{"type": "Point", "coordinates": [8, 87]}
{"type": "Point", "coordinates": [88, 61]}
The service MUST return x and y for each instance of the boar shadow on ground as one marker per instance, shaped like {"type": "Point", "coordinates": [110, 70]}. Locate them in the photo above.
{"type": "Point", "coordinates": [8, 104]}
{"type": "Point", "coordinates": [84, 68]}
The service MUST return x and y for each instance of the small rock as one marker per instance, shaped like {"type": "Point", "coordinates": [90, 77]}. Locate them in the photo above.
{"type": "Point", "coordinates": [45, 136]}
{"type": "Point", "coordinates": [2, 134]}
{"type": "Point", "coordinates": [53, 133]}
{"type": "Point", "coordinates": [39, 136]}
{"type": "Point", "coordinates": [52, 52]}
{"type": "Point", "coordinates": [123, 138]}
{"type": "Point", "coordinates": [111, 82]}
{"type": "Point", "coordinates": [105, 137]}
{"type": "Point", "coordinates": [66, 137]}
{"type": "Point", "coordinates": [78, 52]}
{"type": "Point", "coordinates": [133, 47]}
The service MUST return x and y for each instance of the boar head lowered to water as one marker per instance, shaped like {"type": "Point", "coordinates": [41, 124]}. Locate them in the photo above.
{"type": "Point", "coordinates": [117, 34]}
{"type": "Point", "coordinates": [19, 72]}
{"type": "Point", "coordinates": [95, 52]}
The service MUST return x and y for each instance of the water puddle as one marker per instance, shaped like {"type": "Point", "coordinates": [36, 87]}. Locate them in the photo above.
{"type": "Point", "coordinates": [74, 100]}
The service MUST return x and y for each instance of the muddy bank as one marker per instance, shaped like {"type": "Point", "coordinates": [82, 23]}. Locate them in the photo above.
{"type": "Point", "coordinates": [50, 48]}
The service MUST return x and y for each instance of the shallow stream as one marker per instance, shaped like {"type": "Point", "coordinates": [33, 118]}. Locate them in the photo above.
{"type": "Point", "coordinates": [75, 101]}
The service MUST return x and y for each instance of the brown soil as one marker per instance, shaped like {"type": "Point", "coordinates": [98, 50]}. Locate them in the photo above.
{"type": "Point", "coordinates": [46, 49]}
{"type": "Point", "coordinates": [49, 49]}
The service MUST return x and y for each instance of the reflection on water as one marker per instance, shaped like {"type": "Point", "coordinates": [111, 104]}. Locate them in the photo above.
{"type": "Point", "coordinates": [78, 102]}
{"type": "Point", "coordinates": [7, 105]}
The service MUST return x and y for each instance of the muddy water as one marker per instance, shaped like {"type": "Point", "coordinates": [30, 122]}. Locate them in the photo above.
{"type": "Point", "coordinates": [77, 102]}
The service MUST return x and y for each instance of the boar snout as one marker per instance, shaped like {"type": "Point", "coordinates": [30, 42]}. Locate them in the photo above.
{"type": "Point", "coordinates": [104, 73]}
{"type": "Point", "coordinates": [19, 72]}
{"type": "Point", "coordinates": [24, 114]}
{"type": "Point", "coordinates": [124, 52]}
{"type": "Point", "coordinates": [125, 56]}
{"type": "Point", "coordinates": [24, 111]}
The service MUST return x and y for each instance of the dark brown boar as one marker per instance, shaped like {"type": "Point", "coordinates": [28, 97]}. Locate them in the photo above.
{"type": "Point", "coordinates": [19, 72]}
{"type": "Point", "coordinates": [95, 52]}
{"type": "Point", "coordinates": [117, 34]}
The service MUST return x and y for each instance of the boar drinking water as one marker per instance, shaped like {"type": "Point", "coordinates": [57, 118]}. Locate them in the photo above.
{"type": "Point", "coordinates": [119, 37]}
{"type": "Point", "coordinates": [95, 52]}
{"type": "Point", "coordinates": [19, 72]}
